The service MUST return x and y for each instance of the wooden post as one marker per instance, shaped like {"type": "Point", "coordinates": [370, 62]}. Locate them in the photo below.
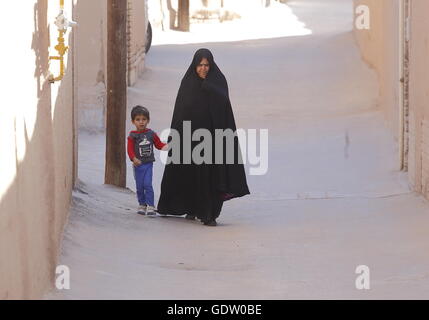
{"type": "Point", "coordinates": [183, 15]}
{"type": "Point", "coordinates": [115, 170]}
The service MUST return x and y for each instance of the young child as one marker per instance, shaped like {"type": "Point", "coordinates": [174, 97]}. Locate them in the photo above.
{"type": "Point", "coordinates": [140, 152]}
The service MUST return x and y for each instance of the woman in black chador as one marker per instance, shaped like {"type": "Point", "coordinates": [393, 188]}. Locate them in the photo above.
{"type": "Point", "coordinates": [199, 189]}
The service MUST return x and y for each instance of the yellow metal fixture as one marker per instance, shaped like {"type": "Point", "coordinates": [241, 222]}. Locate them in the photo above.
{"type": "Point", "coordinates": [62, 24]}
{"type": "Point", "coordinates": [62, 49]}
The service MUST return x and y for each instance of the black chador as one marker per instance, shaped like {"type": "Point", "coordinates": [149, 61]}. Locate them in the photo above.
{"type": "Point", "coordinates": [200, 189]}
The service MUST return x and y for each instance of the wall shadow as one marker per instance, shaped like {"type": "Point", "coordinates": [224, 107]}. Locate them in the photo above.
{"type": "Point", "coordinates": [34, 208]}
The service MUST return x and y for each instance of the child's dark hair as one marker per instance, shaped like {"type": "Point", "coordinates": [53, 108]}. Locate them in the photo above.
{"type": "Point", "coordinates": [139, 111]}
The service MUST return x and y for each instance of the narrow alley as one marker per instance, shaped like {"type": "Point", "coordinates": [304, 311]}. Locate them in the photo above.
{"type": "Point", "coordinates": [333, 197]}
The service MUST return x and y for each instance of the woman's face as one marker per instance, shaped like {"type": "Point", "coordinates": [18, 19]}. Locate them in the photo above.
{"type": "Point", "coordinates": [203, 68]}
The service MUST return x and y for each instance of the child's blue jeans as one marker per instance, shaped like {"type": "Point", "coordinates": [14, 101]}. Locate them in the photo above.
{"type": "Point", "coordinates": [143, 177]}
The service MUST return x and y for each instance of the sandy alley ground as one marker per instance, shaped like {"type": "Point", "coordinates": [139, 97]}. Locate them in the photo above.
{"type": "Point", "coordinates": [332, 198]}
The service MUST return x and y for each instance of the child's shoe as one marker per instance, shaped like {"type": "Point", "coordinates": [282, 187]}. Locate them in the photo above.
{"type": "Point", "coordinates": [150, 211]}
{"type": "Point", "coordinates": [142, 209]}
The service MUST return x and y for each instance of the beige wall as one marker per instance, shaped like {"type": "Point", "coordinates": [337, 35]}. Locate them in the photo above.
{"type": "Point", "coordinates": [418, 162]}
{"type": "Point", "coordinates": [36, 149]}
{"type": "Point", "coordinates": [379, 46]}
{"type": "Point", "coordinates": [38, 145]}
{"type": "Point", "coordinates": [137, 24]}
{"type": "Point", "coordinates": [91, 39]}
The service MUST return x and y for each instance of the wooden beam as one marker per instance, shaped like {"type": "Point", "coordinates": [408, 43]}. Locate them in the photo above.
{"type": "Point", "coordinates": [115, 169]}
{"type": "Point", "coordinates": [183, 15]}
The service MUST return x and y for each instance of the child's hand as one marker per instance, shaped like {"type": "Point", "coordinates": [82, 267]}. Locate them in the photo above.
{"type": "Point", "coordinates": [165, 148]}
{"type": "Point", "coordinates": [136, 162]}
